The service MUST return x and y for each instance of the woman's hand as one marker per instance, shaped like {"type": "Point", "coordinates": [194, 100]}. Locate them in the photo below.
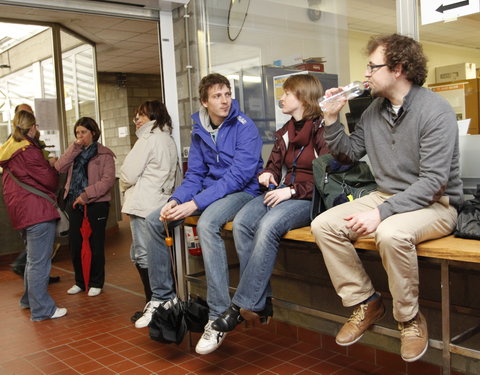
{"type": "Point", "coordinates": [81, 142]}
{"type": "Point", "coordinates": [274, 197]}
{"type": "Point", "coordinates": [52, 161]}
{"type": "Point", "coordinates": [266, 179]}
{"type": "Point", "coordinates": [79, 200]}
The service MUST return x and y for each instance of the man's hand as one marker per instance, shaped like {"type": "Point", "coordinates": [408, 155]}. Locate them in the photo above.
{"type": "Point", "coordinates": [165, 211]}
{"type": "Point", "coordinates": [266, 179]}
{"type": "Point", "coordinates": [331, 109]}
{"type": "Point", "coordinates": [274, 197]}
{"type": "Point", "coordinates": [174, 211]}
{"type": "Point", "coordinates": [364, 223]}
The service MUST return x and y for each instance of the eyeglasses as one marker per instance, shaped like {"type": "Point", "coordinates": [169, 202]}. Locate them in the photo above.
{"type": "Point", "coordinates": [372, 67]}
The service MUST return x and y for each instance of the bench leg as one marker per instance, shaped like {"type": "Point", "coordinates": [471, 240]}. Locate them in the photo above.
{"type": "Point", "coordinates": [445, 284]}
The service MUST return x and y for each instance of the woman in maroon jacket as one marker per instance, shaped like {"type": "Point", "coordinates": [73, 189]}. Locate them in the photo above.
{"type": "Point", "coordinates": [288, 175]}
{"type": "Point", "coordinates": [22, 159]}
{"type": "Point", "coordinates": [91, 175]}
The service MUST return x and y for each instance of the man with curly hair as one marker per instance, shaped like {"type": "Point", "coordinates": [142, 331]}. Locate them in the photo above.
{"type": "Point", "coordinates": [411, 137]}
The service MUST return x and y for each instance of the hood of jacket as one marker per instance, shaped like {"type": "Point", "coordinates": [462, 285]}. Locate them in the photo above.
{"type": "Point", "coordinates": [201, 119]}
{"type": "Point", "coordinates": [10, 147]}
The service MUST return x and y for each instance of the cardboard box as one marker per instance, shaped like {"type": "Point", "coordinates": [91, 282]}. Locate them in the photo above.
{"type": "Point", "coordinates": [313, 67]}
{"type": "Point", "coordinates": [456, 72]}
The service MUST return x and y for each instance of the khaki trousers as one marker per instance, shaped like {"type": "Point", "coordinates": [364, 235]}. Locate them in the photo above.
{"type": "Point", "coordinates": [395, 237]}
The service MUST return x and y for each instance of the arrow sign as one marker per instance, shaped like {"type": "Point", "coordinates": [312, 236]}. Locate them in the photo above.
{"type": "Point", "coordinates": [443, 8]}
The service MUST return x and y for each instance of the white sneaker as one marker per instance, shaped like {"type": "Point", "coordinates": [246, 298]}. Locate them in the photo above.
{"type": "Point", "coordinates": [74, 289]}
{"type": "Point", "coordinates": [210, 340]}
{"type": "Point", "coordinates": [59, 312]}
{"type": "Point", "coordinates": [92, 292]}
{"type": "Point", "coordinates": [147, 314]}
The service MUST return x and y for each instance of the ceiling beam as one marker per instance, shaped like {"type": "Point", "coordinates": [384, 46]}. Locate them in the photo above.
{"type": "Point", "coordinates": [135, 9]}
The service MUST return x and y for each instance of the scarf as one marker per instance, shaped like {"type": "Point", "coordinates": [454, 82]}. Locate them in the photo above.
{"type": "Point", "coordinates": [79, 174]}
{"type": "Point", "coordinates": [300, 137]}
{"type": "Point", "coordinates": [300, 152]}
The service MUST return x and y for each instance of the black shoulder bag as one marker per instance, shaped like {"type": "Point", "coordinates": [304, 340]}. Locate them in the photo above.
{"type": "Point", "coordinates": [468, 223]}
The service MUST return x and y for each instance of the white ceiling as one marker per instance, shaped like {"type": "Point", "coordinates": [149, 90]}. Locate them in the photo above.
{"type": "Point", "coordinates": [123, 45]}
{"type": "Point", "coordinates": [131, 45]}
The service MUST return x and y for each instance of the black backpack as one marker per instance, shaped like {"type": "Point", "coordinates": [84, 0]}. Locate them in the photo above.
{"type": "Point", "coordinates": [468, 223]}
{"type": "Point", "coordinates": [336, 183]}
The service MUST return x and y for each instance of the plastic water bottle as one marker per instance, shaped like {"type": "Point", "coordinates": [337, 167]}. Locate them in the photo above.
{"type": "Point", "coordinates": [352, 90]}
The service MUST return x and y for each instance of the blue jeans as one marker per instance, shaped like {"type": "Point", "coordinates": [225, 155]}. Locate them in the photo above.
{"type": "Point", "coordinates": [138, 249]}
{"type": "Point", "coordinates": [209, 230]}
{"type": "Point", "coordinates": [159, 258]}
{"type": "Point", "coordinates": [214, 254]}
{"type": "Point", "coordinates": [257, 230]}
{"type": "Point", "coordinates": [40, 238]}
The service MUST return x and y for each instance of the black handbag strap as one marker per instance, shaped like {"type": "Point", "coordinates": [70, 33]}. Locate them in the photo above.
{"type": "Point", "coordinates": [31, 189]}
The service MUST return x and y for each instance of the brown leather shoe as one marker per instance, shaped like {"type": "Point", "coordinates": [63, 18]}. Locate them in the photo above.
{"type": "Point", "coordinates": [362, 318]}
{"type": "Point", "coordinates": [413, 338]}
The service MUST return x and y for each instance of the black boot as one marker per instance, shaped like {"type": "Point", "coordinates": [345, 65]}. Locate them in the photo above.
{"type": "Point", "coordinates": [53, 279]}
{"type": "Point", "coordinates": [143, 272]}
{"type": "Point", "coordinates": [228, 320]}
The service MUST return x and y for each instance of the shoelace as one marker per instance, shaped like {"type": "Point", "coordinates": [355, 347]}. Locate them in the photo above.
{"type": "Point", "coordinates": [358, 314]}
{"type": "Point", "coordinates": [209, 331]}
{"type": "Point", "coordinates": [409, 328]}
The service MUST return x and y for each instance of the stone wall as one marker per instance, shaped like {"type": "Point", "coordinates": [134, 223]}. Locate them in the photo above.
{"type": "Point", "coordinates": [119, 96]}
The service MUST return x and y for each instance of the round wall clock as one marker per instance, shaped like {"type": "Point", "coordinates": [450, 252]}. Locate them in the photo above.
{"type": "Point", "coordinates": [237, 13]}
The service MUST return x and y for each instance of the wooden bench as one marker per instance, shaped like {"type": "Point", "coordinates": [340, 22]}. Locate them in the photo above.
{"type": "Point", "coordinates": [447, 250]}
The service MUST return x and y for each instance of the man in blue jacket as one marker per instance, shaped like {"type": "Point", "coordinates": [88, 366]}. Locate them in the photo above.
{"type": "Point", "coordinates": [224, 159]}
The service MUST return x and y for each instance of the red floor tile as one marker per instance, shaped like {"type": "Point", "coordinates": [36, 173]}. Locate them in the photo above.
{"type": "Point", "coordinates": [97, 338]}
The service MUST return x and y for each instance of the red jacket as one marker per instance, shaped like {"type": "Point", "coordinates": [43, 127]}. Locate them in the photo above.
{"type": "Point", "coordinates": [26, 162]}
{"type": "Point", "coordinates": [276, 164]}
{"type": "Point", "coordinates": [100, 172]}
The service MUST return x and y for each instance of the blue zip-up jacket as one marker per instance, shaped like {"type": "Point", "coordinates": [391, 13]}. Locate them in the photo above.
{"type": "Point", "coordinates": [229, 165]}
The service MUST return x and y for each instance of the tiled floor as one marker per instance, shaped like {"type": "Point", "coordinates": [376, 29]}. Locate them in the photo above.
{"type": "Point", "coordinates": [96, 337]}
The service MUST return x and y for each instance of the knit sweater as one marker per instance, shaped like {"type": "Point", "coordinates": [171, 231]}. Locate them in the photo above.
{"type": "Point", "coordinates": [416, 157]}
